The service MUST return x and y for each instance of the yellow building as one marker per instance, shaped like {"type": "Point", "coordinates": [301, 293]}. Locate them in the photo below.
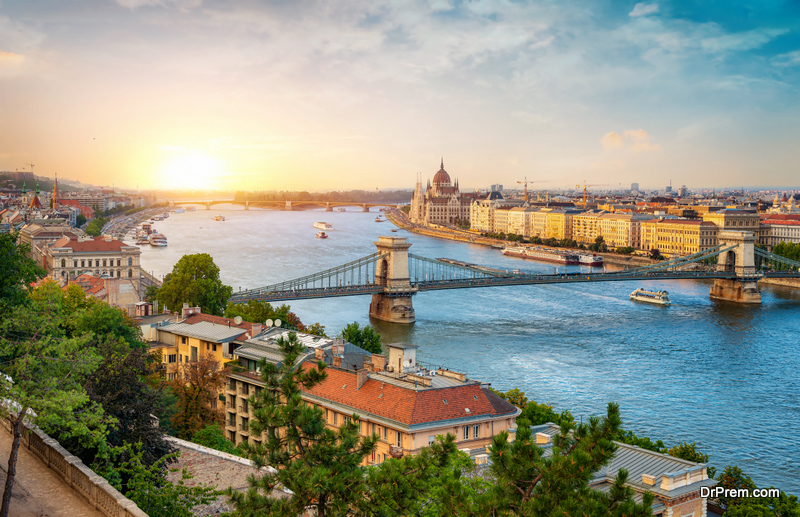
{"type": "Point", "coordinates": [678, 236]}
{"type": "Point", "coordinates": [559, 224]}
{"type": "Point", "coordinates": [585, 226]}
{"type": "Point", "coordinates": [621, 230]}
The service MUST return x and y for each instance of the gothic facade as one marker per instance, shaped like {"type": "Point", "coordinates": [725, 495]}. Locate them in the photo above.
{"type": "Point", "coordinates": [441, 202]}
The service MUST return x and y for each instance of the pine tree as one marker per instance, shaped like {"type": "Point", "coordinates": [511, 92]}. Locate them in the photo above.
{"type": "Point", "coordinates": [319, 465]}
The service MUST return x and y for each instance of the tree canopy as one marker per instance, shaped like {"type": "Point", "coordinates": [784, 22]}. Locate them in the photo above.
{"type": "Point", "coordinates": [195, 280]}
{"type": "Point", "coordinates": [17, 271]}
{"type": "Point", "coordinates": [365, 337]}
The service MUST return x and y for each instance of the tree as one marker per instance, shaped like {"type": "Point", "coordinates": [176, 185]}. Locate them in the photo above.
{"type": "Point", "coordinates": [527, 482]}
{"type": "Point", "coordinates": [42, 375]}
{"type": "Point", "coordinates": [655, 254]}
{"type": "Point", "coordinates": [80, 220]}
{"type": "Point", "coordinates": [319, 465]}
{"type": "Point", "coordinates": [152, 493]}
{"type": "Point", "coordinates": [534, 413]}
{"type": "Point", "coordinates": [733, 478]}
{"type": "Point", "coordinates": [195, 280]}
{"type": "Point", "coordinates": [688, 451]}
{"type": "Point", "coordinates": [365, 338]}
{"type": "Point", "coordinates": [599, 244]}
{"type": "Point", "coordinates": [196, 387]}
{"type": "Point", "coordinates": [17, 271]}
{"type": "Point", "coordinates": [211, 436]}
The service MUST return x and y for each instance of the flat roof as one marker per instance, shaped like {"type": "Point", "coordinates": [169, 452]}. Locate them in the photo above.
{"type": "Point", "coordinates": [206, 331]}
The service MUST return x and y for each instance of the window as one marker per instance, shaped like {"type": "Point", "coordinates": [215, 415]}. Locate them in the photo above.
{"type": "Point", "coordinates": [214, 348]}
{"type": "Point", "coordinates": [244, 406]}
{"type": "Point", "coordinates": [130, 261]}
{"type": "Point", "coordinates": [386, 434]}
{"type": "Point", "coordinates": [171, 358]}
{"type": "Point", "coordinates": [194, 353]}
{"type": "Point", "coordinates": [183, 340]}
{"type": "Point", "coordinates": [171, 376]}
{"type": "Point", "coordinates": [334, 419]}
{"type": "Point", "coordinates": [231, 419]}
{"type": "Point", "coordinates": [232, 385]}
{"type": "Point", "coordinates": [466, 432]}
{"type": "Point", "coordinates": [75, 264]}
{"type": "Point", "coordinates": [399, 439]}
{"type": "Point", "coordinates": [83, 263]}
{"type": "Point", "coordinates": [96, 263]}
{"type": "Point", "coordinates": [476, 431]}
{"type": "Point", "coordinates": [119, 262]}
{"type": "Point", "coordinates": [130, 273]}
{"type": "Point", "coordinates": [63, 263]}
{"type": "Point", "coordinates": [104, 262]}
{"type": "Point", "coordinates": [431, 439]}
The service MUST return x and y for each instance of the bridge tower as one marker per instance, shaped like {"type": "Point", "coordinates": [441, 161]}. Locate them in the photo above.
{"type": "Point", "coordinates": [364, 208]}
{"type": "Point", "coordinates": [208, 205]}
{"type": "Point", "coordinates": [328, 207]}
{"type": "Point", "coordinates": [394, 303]}
{"type": "Point", "coordinates": [247, 205]}
{"type": "Point", "coordinates": [288, 205]}
{"type": "Point", "coordinates": [741, 261]}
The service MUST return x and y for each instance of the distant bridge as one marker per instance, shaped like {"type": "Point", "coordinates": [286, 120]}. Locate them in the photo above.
{"type": "Point", "coordinates": [392, 276]}
{"type": "Point", "coordinates": [287, 204]}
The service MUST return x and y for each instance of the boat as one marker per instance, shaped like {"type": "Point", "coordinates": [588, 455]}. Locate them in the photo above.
{"type": "Point", "coordinates": [341, 210]}
{"type": "Point", "coordinates": [655, 297]}
{"type": "Point", "coordinates": [219, 217]}
{"type": "Point", "coordinates": [158, 239]}
{"type": "Point", "coordinates": [323, 226]}
{"type": "Point", "coordinates": [191, 209]}
{"type": "Point", "coordinates": [180, 211]}
{"type": "Point", "coordinates": [586, 259]}
{"type": "Point", "coordinates": [146, 228]}
{"type": "Point", "coordinates": [142, 239]}
{"type": "Point", "coordinates": [394, 230]}
{"type": "Point", "coordinates": [322, 235]}
{"type": "Point", "coordinates": [539, 253]}
{"type": "Point", "coordinates": [379, 220]}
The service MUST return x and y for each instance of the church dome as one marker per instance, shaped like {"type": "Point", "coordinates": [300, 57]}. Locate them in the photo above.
{"type": "Point", "coordinates": [441, 177]}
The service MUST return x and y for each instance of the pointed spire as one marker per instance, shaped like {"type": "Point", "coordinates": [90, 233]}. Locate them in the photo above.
{"type": "Point", "coordinates": [442, 166]}
{"type": "Point", "coordinates": [24, 188]}
{"type": "Point", "coordinates": [55, 191]}
{"type": "Point", "coordinates": [37, 187]}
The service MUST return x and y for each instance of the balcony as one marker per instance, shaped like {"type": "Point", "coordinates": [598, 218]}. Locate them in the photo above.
{"type": "Point", "coordinates": [231, 390]}
{"type": "Point", "coordinates": [230, 426]}
{"type": "Point", "coordinates": [244, 429]}
{"type": "Point", "coordinates": [230, 407]}
{"type": "Point", "coordinates": [395, 451]}
{"type": "Point", "coordinates": [243, 410]}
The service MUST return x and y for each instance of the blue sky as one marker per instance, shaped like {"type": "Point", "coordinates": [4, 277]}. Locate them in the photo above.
{"type": "Point", "coordinates": [365, 94]}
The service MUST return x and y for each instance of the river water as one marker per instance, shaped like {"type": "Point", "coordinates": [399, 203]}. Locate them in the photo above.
{"type": "Point", "coordinates": [719, 374]}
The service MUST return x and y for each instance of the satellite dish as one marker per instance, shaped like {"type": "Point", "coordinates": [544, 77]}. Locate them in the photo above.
{"type": "Point", "coordinates": [268, 323]}
{"type": "Point", "coordinates": [237, 320]}
{"type": "Point", "coordinates": [277, 323]}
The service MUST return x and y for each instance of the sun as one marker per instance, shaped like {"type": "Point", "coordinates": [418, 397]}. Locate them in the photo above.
{"type": "Point", "coordinates": [192, 170]}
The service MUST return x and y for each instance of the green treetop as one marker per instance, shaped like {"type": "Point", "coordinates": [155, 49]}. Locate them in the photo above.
{"type": "Point", "coordinates": [195, 280]}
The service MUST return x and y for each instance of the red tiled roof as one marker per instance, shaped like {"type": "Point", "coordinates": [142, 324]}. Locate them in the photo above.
{"type": "Point", "coordinates": [781, 217]}
{"type": "Point", "coordinates": [99, 244]}
{"type": "Point", "coordinates": [403, 405]}
{"type": "Point", "coordinates": [200, 317]}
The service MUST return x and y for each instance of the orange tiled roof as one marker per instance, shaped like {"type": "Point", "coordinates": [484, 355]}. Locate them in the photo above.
{"type": "Point", "coordinates": [99, 244]}
{"type": "Point", "coordinates": [405, 405]}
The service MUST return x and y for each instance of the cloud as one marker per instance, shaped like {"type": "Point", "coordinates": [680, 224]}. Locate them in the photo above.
{"type": "Point", "coordinates": [786, 60]}
{"type": "Point", "coordinates": [643, 9]}
{"type": "Point", "coordinates": [635, 139]}
{"type": "Point", "coordinates": [179, 4]}
{"type": "Point", "coordinates": [742, 41]}
{"type": "Point", "coordinates": [10, 59]}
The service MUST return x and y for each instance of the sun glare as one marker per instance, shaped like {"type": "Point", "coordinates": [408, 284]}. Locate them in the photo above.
{"type": "Point", "coordinates": [192, 170]}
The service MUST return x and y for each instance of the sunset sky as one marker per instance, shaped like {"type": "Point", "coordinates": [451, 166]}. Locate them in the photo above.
{"type": "Point", "coordinates": [296, 94]}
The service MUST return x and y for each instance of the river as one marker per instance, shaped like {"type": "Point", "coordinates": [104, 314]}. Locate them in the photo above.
{"type": "Point", "coordinates": [716, 373]}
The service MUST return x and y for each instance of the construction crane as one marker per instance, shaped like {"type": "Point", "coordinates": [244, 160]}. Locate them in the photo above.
{"type": "Point", "coordinates": [526, 187]}
{"type": "Point", "coordinates": [31, 167]}
{"type": "Point", "coordinates": [585, 186]}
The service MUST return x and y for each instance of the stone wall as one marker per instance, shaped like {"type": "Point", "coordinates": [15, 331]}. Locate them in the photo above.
{"type": "Point", "coordinates": [77, 476]}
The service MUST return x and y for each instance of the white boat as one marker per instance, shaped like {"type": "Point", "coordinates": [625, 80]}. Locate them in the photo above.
{"type": "Point", "coordinates": [323, 226]}
{"type": "Point", "coordinates": [180, 211]}
{"type": "Point", "coordinates": [341, 210]}
{"type": "Point", "coordinates": [539, 253]}
{"type": "Point", "coordinates": [656, 297]}
{"type": "Point", "coordinates": [587, 259]}
{"type": "Point", "coordinates": [219, 217]}
{"type": "Point", "coordinates": [142, 239]}
{"type": "Point", "coordinates": [379, 220]}
{"type": "Point", "coordinates": [158, 239]}
{"type": "Point", "coordinates": [322, 235]}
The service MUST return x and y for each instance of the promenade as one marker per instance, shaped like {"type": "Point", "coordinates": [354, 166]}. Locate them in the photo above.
{"type": "Point", "coordinates": [39, 491]}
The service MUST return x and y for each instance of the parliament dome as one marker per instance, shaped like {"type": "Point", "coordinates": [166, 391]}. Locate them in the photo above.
{"type": "Point", "coordinates": [441, 177]}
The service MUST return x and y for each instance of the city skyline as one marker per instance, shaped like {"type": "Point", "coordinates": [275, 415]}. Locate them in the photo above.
{"type": "Point", "coordinates": [310, 96]}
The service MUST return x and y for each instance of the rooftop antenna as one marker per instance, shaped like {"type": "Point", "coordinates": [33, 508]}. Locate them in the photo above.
{"type": "Point", "coordinates": [268, 323]}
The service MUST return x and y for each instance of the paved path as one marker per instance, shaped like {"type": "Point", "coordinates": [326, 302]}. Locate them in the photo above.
{"type": "Point", "coordinates": [39, 491]}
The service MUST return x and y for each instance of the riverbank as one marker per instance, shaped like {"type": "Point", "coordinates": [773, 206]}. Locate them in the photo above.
{"type": "Point", "coordinates": [399, 219]}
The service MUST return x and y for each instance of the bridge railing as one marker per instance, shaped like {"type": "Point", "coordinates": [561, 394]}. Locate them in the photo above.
{"type": "Point", "coordinates": [771, 261]}
{"type": "Point", "coordinates": [357, 272]}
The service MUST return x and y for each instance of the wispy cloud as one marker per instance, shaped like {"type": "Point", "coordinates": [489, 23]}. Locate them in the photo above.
{"type": "Point", "coordinates": [179, 4]}
{"type": "Point", "coordinates": [643, 9]}
{"type": "Point", "coordinates": [787, 60]}
{"type": "Point", "coordinates": [635, 139]}
{"type": "Point", "coordinates": [742, 41]}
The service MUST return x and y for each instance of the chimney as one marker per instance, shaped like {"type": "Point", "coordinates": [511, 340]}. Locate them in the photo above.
{"type": "Point", "coordinates": [378, 362]}
{"type": "Point", "coordinates": [256, 329]}
{"type": "Point", "coordinates": [363, 375]}
{"type": "Point", "coordinates": [337, 361]}
{"type": "Point", "coordinates": [542, 438]}
{"type": "Point", "coordinates": [319, 354]}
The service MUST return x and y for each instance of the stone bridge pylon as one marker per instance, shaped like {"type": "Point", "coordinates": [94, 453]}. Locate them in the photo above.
{"type": "Point", "coordinates": [741, 261]}
{"type": "Point", "coordinates": [391, 272]}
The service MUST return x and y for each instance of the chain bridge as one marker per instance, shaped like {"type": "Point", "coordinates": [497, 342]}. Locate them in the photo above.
{"type": "Point", "coordinates": [392, 276]}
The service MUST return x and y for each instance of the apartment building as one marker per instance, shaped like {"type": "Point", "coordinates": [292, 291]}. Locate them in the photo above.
{"type": "Point", "coordinates": [586, 226]}
{"type": "Point", "coordinates": [678, 236]}
{"type": "Point", "coordinates": [734, 219]}
{"type": "Point", "coordinates": [539, 223]}
{"type": "Point", "coordinates": [559, 223]}
{"type": "Point", "coordinates": [501, 219]}
{"type": "Point", "coordinates": [777, 228]}
{"type": "Point", "coordinates": [405, 404]}
{"type": "Point", "coordinates": [621, 230]}
{"type": "Point", "coordinates": [519, 220]}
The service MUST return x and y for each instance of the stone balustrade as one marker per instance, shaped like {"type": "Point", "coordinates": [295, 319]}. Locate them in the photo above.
{"type": "Point", "coordinates": [77, 476]}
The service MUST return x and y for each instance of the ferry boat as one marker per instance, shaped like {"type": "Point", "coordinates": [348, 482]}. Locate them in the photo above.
{"type": "Point", "coordinates": [585, 259]}
{"type": "Point", "coordinates": [322, 226]}
{"type": "Point", "coordinates": [219, 217]}
{"type": "Point", "coordinates": [545, 254]}
{"type": "Point", "coordinates": [142, 239]}
{"type": "Point", "coordinates": [379, 220]}
{"type": "Point", "coordinates": [656, 297]}
{"type": "Point", "coordinates": [146, 228]}
{"type": "Point", "coordinates": [158, 239]}
{"type": "Point", "coordinates": [322, 235]}
{"type": "Point", "coordinates": [180, 211]}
